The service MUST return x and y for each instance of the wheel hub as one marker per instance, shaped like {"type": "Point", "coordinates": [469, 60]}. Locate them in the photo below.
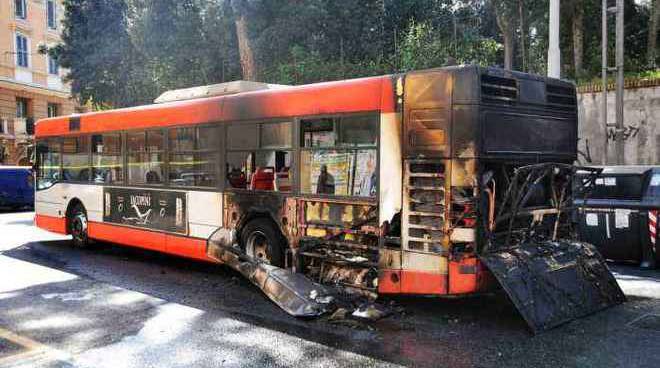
{"type": "Point", "coordinates": [79, 226]}
{"type": "Point", "coordinates": [257, 247]}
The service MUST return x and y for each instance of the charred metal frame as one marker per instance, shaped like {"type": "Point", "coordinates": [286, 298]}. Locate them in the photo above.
{"type": "Point", "coordinates": [518, 193]}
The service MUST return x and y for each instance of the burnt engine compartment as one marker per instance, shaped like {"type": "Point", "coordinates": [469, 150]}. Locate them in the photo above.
{"type": "Point", "coordinates": [526, 203]}
{"type": "Point", "coordinates": [341, 253]}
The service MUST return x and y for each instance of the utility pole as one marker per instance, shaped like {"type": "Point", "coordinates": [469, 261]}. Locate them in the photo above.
{"type": "Point", "coordinates": [618, 68]}
{"type": "Point", "coordinates": [619, 82]}
{"type": "Point", "coordinates": [554, 57]}
{"type": "Point", "coordinates": [603, 106]}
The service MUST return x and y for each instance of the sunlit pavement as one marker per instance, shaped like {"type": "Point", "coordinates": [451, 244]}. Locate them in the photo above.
{"type": "Point", "coordinates": [119, 307]}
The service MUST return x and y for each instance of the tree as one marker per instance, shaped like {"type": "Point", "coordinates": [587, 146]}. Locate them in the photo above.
{"type": "Point", "coordinates": [523, 34]}
{"type": "Point", "coordinates": [578, 36]}
{"type": "Point", "coordinates": [97, 50]}
{"type": "Point", "coordinates": [652, 47]}
{"type": "Point", "coordinates": [505, 15]}
{"type": "Point", "coordinates": [127, 52]}
{"type": "Point", "coordinates": [245, 49]}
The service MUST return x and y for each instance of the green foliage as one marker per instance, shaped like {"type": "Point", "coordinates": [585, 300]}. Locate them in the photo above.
{"type": "Point", "coordinates": [127, 52]}
{"type": "Point", "coordinates": [424, 46]}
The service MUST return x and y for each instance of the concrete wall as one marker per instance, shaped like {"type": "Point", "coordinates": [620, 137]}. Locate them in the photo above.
{"type": "Point", "coordinates": [641, 127]}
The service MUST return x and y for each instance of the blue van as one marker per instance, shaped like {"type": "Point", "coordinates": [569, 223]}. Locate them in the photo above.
{"type": "Point", "coordinates": [16, 187]}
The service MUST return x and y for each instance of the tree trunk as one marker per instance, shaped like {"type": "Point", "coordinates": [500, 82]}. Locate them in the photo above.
{"type": "Point", "coordinates": [245, 51]}
{"type": "Point", "coordinates": [506, 27]}
{"type": "Point", "coordinates": [578, 37]}
{"type": "Point", "coordinates": [653, 34]}
{"type": "Point", "coordinates": [523, 34]}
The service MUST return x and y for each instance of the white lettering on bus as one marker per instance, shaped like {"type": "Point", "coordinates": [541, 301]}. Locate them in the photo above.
{"type": "Point", "coordinates": [141, 200]}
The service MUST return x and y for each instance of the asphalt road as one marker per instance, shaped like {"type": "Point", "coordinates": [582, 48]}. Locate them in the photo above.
{"type": "Point", "coordinates": [121, 307]}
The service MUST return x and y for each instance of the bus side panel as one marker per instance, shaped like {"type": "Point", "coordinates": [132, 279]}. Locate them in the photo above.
{"type": "Point", "coordinates": [55, 200]}
{"type": "Point", "coordinates": [204, 213]}
{"type": "Point", "coordinates": [50, 202]}
{"type": "Point", "coordinates": [91, 197]}
{"type": "Point", "coordinates": [187, 247]}
{"type": "Point", "coordinates": [50, 209]}
{"type": "Point", "coordinates": [128, 236]}
{"type": "Point", "coordinates": [51, 223]}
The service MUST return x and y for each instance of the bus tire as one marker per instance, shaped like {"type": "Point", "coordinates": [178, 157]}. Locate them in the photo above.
{"type": "Point", "coordinates": [261, 241]}
{"type": "Point", "coordinates": [78, 226]}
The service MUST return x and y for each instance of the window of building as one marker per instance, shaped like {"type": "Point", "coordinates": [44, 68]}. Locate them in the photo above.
{"type": "Point", "coordinates": [340, 156]}
{"type": "Point", "coordinates": [21, 107]}
{"type": "Point", "coordinates": [53, 66]}
{"type": "Point", "coordinates": [51, 14]}
{"type": "Point", "coordinates": [193, 156]}
{"type": "Point", "coordinates": [48, 163]}
{"type": "Point", "coordinates": [75, 159]}
{"type": "Point", "coordinates": [20, 9]}
{"type": "Point", "coordinates": [22, 51]}
{"type": "Point", "coordinates": [259, 156]}
{"type": "Point", "coordinates": [107, 160]}
{"type": "Point", "coordinates": [145, 157]}
{"type": "Point", "coordinates": [53, 110]}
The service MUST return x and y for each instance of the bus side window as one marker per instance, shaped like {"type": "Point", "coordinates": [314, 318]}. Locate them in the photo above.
{"type": "Point", "coordinates": [48, 163]}
{"type": "Point", "coordinates": [145, 157]}
{"type": "Point", "coordinates": [193, 156]}
{"type": "Point", "coordinates": [75, 159]}
{"type": "Point", "coordinates": [107, 161]}
{"type": "Point", "coordinates": [260, 156]}
{"type": "Point", "coordinates": [339, 156]}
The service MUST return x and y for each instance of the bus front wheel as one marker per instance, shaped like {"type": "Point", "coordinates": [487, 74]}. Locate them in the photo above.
{"type": "Point", "coordinates": [78, 226]}
{"type": "Point", "coordinates": [261, 241]}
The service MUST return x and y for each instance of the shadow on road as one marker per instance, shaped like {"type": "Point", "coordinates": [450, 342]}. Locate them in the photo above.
{"type": "Point", "coordinates": [484, 330]}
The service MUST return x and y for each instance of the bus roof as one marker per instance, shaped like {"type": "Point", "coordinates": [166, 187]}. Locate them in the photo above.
{"type": "Point", "coordinates": [354, 95]}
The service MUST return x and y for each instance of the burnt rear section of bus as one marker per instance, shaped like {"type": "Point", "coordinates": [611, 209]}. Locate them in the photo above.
{"type": "Point", "coordinates": [526, 145]}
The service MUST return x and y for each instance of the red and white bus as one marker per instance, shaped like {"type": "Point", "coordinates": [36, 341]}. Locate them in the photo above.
{"type": "Point", "coordinates": [385, 185]}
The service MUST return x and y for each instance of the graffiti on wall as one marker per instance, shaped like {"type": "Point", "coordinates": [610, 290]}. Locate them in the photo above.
{"type": "Point", "coordinates": [628, 131]}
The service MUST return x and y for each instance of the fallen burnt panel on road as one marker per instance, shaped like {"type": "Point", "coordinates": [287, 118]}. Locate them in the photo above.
{"type": "Point", "coordinates": [550, 278]}
{"type": "Point", "coordinates": [554, 282]}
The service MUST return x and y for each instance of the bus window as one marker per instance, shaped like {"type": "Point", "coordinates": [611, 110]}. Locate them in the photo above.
{"type": "Point", "coordinates": [193, 156]}
{"type": "Point", "coordinates": [242, 136]}
{"type": "Point", "coordinates": [318, 132]}
{"type": "Point", "coordinates": [145, 157]}
{"type": "Point", "coordinates": [267, 166]}
{"type": "Point", "coordinates": [75, 159]}
{"type": "Point", "coordinates": [340, 156]}
{"type": "Point", "coordinates": [275, 135]}
{"type": "Point", "coordinates": [107, 160]}
{"type": "Point", "coordinates": [48, 163]}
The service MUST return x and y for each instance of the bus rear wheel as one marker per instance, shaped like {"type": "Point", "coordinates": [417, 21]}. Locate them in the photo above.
{"type": "Point", "coordinates": [78, 226]}
{"type": "Point", "coordinates": [261, 241]}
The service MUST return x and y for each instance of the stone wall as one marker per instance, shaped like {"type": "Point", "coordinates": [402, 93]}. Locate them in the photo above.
{"type": "Point", "coordinates": [641, 126]}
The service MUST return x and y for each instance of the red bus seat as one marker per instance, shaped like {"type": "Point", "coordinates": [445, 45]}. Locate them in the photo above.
{"type": "Point", "coordinates": [283, 181]}
{"type": "Point", "coordinates": [263, 178]}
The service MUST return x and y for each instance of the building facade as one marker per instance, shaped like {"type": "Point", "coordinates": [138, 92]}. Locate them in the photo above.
{"type": "Point", "coordinates": [31, 83]}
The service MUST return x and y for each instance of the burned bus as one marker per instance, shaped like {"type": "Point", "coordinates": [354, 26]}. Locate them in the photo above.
{"type": "Point", "coordinates": [449, 181]}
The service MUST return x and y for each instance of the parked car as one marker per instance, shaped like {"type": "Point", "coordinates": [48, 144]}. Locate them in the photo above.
{"type": "Point", "coordinates": [619, 213]}
{"type": "Point", "coordinates": [16, 187]}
